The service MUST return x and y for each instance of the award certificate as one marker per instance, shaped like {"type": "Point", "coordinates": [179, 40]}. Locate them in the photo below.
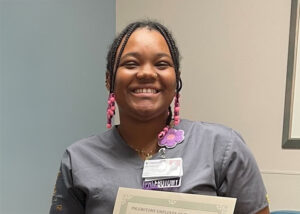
{"type": "Point", "coordinates": [137, 201]}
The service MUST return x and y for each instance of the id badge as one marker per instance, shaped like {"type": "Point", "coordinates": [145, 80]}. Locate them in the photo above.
{"type": "Point", "coordinates": [163, 168]}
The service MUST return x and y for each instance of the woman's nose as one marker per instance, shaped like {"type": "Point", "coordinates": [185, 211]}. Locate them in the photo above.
{"type": "Point", "coordinates": [147, 73]}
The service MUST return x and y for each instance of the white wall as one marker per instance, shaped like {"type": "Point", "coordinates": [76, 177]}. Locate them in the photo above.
{"type": "Point", "coordinates": [233, 70]}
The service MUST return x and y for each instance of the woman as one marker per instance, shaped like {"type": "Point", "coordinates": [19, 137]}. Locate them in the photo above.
{"type": "Point", "coordinates": [143, 77]}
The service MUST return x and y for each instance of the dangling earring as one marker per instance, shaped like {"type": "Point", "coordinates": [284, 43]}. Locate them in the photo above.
{"type": "Point", "coordinates": [110, 109]}
{"type": "Point", "coordinates": [176, 109]}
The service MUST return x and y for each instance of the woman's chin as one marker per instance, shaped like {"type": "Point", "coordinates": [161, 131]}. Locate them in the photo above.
{"type": "Point", "coordinates": [145, 114]}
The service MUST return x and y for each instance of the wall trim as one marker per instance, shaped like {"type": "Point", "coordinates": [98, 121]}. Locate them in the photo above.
{"type": "Point", "coordinates": [279, 172]}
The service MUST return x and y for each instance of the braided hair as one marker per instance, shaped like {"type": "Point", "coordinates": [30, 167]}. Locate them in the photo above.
{"type": "Point", "coordinates": [113, 60]}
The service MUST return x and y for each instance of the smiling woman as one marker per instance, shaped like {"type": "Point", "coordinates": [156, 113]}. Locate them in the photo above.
{"type": "Point", "coordinates": [143, 78]}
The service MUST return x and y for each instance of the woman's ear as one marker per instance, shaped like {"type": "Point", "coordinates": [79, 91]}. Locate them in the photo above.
{"type": "Point", "coordinates": [107, 80]}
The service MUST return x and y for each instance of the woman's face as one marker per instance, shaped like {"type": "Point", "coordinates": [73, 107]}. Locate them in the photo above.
{"type": "Point", "coordinates": [145, 82]}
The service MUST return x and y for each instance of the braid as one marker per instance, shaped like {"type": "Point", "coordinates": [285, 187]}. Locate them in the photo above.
{"type": "Point", "coordinates": [169, 116]}
{"type": "Point", "coordinates": [176, 53]}
{"type": "Point", "coordinates": [111, 64]}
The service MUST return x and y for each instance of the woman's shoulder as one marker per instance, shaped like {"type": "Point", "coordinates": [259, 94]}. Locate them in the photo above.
{"type": "Point", "coordinates": [217, 137]}
{"type": "Point", "coordinates": [90, 151]}
{"type": "Point", "coordinates": [96, 141]}
{"type": "Point", "coordinates": [203, 124]}
{"type": "Point", "coordinates": [208, 128]}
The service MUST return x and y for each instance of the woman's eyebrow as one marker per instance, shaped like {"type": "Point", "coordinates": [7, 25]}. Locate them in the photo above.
{"type": "Point", "coordinates": [134, 54]}
{"type": "Point", "coordinates": [163, 55]}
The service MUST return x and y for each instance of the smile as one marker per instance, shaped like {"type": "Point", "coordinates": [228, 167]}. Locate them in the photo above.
{"type": "Point", "coordinates": [145, 91]}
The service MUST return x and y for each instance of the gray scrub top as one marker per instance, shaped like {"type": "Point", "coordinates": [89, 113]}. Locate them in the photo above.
{"type": "Point", "coordinates": [216, 162]}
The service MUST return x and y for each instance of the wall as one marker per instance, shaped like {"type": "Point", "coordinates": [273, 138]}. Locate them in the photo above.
{"type": "Point", "coordinates": [52, 91]}
{"type": "Point", "coordinates": [233, 70]}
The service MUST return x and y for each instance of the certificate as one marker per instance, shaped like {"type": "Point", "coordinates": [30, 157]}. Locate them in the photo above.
{"type": "Point", "coordinates": [137, 201]}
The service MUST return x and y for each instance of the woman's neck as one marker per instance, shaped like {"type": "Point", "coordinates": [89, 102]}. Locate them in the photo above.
{"type": "Point", "coordinates": [141, 135]}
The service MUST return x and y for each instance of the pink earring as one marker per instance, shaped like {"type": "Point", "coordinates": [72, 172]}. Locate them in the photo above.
{"type": "Point", "coordinates": [110, 109]}
{"type": "Point", "coordinates": [176, 109]}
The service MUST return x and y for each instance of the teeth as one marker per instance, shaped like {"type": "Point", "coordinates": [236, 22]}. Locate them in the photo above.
{"type": "Point", "coordinates": [145, 90]}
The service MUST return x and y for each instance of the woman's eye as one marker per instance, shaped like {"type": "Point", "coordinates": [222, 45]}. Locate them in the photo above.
{"type": "Point", "coordinates": [162, 65]}
{"type": "Point", "coordinates": [130, 65]}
